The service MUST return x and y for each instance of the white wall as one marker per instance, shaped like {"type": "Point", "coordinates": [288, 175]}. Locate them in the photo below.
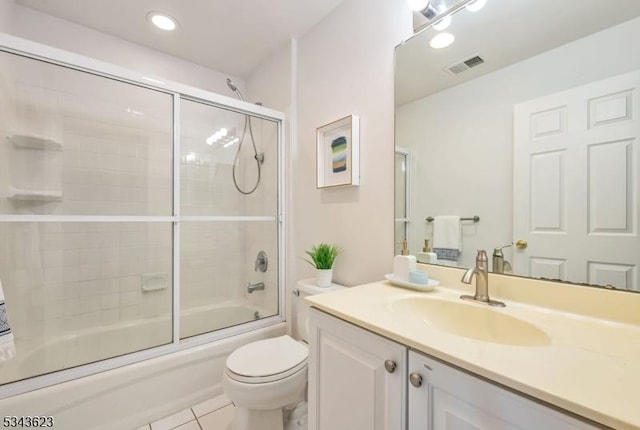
{"type": "Point", "coordinates": [346, 67]}
{"type": "Point", "coordinates": [6, 15]}
{"type": "Point", "coordinates": [465, 167]}
{"type": "Point", "coordinates": [37, 26]}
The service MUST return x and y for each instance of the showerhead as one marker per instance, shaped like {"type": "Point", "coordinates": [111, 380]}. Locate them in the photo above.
{"type": "Point", "coordinates": [231, 85]}
{"type": "Point", "coordinates": [234, 88]}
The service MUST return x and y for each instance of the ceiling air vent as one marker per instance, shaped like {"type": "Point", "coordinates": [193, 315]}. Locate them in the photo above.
{"type": "Point", "coordinates": [464, 65]}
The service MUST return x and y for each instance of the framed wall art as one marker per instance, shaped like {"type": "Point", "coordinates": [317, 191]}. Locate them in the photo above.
{"type": "Point", "coordinates": [338, 146]}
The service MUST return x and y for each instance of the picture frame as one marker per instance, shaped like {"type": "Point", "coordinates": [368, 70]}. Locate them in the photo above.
{"type": "Point", "coordinates": [338, 153]}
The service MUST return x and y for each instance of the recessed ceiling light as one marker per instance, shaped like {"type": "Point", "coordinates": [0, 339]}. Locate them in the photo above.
{"type": "Point", "coordinates": [442, 40]}
{"type": "Point", "coordinates": [162, 21]}
{"type": "Point", "coordinates": [476, 5]}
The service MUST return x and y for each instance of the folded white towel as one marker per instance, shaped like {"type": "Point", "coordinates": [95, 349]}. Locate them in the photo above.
{"type": "Point", "coordinates": [7, 346]}
{"type": "Point", "coordinates": [446, 232]}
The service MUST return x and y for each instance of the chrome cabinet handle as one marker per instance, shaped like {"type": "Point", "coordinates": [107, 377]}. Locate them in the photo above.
{"type": "Point", "coordinates": [390, 365]}
{"type": "Point", "coordinates": [415, 379]}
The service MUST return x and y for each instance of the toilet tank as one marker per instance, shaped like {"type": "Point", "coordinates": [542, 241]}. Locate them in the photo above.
{"type": "Point", "coordinates": [306, 287]}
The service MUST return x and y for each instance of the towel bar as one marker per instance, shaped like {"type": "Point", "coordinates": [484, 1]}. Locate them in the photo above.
{"type": "Point", "coordinates": [475, 218]}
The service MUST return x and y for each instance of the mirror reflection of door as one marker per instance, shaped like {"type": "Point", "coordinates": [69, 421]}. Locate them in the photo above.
{"type": "Point", "coordinates": [576, 161]}
{"type": "Point", "coordinates": [401, 211]}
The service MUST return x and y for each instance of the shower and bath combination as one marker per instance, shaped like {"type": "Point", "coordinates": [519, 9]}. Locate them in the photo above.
{"type": "Point", "coordinates": [259, 157]}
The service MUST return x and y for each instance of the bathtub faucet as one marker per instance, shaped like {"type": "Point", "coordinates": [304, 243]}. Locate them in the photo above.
{"type": "Point", "coordinates": [255, 287]}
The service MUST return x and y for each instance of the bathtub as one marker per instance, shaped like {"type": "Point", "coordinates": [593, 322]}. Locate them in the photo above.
{"type": "Point", "coordinates": [134, 394]}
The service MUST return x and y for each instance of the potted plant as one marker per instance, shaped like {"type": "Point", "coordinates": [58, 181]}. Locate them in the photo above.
{"type": "Point", "coordinates": [322, 258]}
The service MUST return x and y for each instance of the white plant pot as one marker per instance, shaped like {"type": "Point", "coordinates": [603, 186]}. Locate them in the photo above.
{"type": "Point", "coordinates": [324, 277]}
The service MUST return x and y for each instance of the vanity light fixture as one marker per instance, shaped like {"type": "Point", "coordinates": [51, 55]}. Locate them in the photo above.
{"type": "Point", "coordinates": [444, 23]}
{"type": "Point", "coordinates": [424, 7]}
{"type": "Point", "coordinates": [442, 40]}
{"type": "Point", "coordinates": [162, 21]}
{"type": "Point", "coordinates": [476, 5]}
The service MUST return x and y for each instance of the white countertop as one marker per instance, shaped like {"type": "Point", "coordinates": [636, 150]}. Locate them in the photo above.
{"type": "Point", "coordinates": [591, 366]}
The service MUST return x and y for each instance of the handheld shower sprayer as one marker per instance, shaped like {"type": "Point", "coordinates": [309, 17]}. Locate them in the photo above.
{"type": "Point", "coordinates": [258, 157]}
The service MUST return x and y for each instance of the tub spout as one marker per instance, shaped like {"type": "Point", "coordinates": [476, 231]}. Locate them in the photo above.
{"type": "Point", "coordinates": [255, 287]}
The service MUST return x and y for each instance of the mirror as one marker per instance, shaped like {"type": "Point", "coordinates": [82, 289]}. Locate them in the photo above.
{"type": "Point", "coordinates": [530, 122]}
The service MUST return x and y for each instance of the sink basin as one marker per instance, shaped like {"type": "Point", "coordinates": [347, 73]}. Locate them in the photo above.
{"type": "Point", "coordinates": [471, 321]}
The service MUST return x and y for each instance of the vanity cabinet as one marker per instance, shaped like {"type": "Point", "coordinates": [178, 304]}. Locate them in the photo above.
{"type": "Point", "coordinates": [441, 397]}
{"type": "Point", "coordinates": [357, 379]}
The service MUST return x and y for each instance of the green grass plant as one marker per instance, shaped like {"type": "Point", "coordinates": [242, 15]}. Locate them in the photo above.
{"type": "Point", "coordinates": [323, 256]}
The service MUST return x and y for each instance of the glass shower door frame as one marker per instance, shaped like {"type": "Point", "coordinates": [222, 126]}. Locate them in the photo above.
{"type": "Point", "coordinates": [28, 49]}
{"type": "Point", "coordinates": [404, 221]}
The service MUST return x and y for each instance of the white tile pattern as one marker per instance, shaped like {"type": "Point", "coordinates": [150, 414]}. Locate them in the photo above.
{"type": "Point", "coordinates": [210, 405]}
{"type": "Point", "coordinates": [173, 421]}
{"type": "Point", "coordinates": [218, 420]}
{"type": "Point", "coordinates": [191, 425]}
{"type": "Point", "coordinates": [212, 414]}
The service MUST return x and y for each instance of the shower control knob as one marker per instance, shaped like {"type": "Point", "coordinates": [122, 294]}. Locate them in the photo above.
{"type": "Point", "coordinates": [390, 365]}
{"type": "Point", "coordinates": [415, 379]}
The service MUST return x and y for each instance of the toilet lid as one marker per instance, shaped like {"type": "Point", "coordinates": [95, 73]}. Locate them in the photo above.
{"type": "Point", "coordinates": [267, 357]}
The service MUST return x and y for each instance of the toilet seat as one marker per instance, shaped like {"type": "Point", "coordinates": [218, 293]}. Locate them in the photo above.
{"type": "Point", "coordinates": [267, 360]}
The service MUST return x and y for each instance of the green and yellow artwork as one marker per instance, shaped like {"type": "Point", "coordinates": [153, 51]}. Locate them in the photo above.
{"type": "Point", "coordinates": [339, 152]}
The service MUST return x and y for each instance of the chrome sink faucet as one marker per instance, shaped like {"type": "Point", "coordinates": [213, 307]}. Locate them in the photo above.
{"type": "Point", "coordinates": [500, 265]}
{"type": "Point", "coordinates": [482, 281]}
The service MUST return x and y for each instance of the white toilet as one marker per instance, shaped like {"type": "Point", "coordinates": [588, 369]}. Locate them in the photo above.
{"type": "Point", "coordinates": [264, 377]}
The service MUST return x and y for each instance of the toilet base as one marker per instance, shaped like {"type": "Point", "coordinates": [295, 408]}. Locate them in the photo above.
{"type": "Point", "coordinates": [297, 417]}
{"type": "Point", "coordinates": [252, 419]}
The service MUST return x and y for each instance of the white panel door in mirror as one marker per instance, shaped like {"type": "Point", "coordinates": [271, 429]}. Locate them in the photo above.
{"type": "Point", "coordinates": [570, 222]}
{"type": "Point", "coordinates": [547, 191]}
{"type": "Point", "coordinates": [618, 275]}
{"type": "Point", "coordinates": [548, 268]}
{"type": "Point", "coordinates": [610, 108]}
{"type": "Point", "coordinates": [611, 187]}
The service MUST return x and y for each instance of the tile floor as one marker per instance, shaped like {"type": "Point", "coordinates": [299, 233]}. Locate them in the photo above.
{"type": "Point", "coordinates": [212, 414]}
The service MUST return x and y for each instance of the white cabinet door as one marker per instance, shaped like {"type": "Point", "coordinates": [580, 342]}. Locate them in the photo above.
{"type": "Point", "coordinates": [449, 399]}
{"type": "Point", "coordinates": [352, 382]}
{"type": "Point", "coordinates": [576, 162]}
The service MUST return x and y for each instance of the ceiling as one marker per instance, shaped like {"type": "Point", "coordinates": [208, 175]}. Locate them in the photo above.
{"type": "Point", "coordinates": [502, 33]}
{"type": "Point", "coordinates": [231, 36]}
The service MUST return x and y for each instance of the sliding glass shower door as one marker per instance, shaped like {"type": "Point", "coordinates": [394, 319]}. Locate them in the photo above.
{"type": "Point", "coordinates": [85, 207]}
{"type": "Point", "coordinates": [228, 208]}
{"type": "Point", "coordinates": [132, 217]}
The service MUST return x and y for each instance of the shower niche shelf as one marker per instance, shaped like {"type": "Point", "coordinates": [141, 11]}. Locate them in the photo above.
{"type": "Point", "coordinates": [23, 141]}
{"type": "Point", "coordinates": [36, 168]}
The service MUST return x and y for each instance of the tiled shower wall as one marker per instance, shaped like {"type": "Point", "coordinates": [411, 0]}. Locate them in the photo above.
{"type": "Point", "coordinates": [115, 157]}
{"type": "Point", "coordinates": [63, 278]}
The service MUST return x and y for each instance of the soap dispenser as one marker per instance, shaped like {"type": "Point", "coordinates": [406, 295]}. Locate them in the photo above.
{"type": "Point", "coordinates": [404, 263]}
{"type": "Point", "coordinates": [427, 256]}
